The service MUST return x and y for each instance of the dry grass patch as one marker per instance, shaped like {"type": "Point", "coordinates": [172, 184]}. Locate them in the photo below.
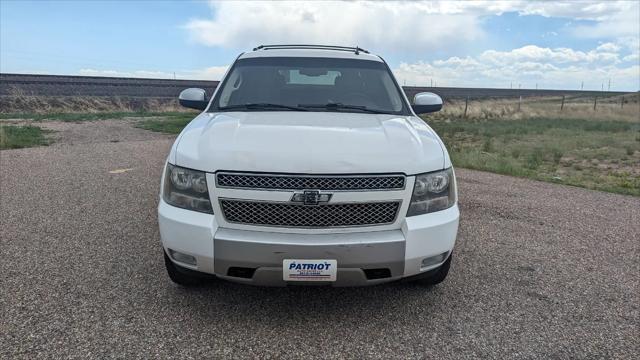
{"type": "Point", "coordinates": [545, 107]}
{"type": "Point", "coordinates": [574, 148]}
{"type": "Point", "coordinates": [85, 104]}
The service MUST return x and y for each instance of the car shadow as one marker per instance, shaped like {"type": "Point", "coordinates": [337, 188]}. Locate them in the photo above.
{"type": "Point", "coordinates": [245, 303]}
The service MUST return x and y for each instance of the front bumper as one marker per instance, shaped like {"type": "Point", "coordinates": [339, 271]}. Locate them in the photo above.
{"type": "Point", "coordinates": [221, 251]}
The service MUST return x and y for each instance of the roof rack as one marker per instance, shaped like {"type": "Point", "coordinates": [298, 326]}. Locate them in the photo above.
{"type": "Point", "coordinates": [355, 50]}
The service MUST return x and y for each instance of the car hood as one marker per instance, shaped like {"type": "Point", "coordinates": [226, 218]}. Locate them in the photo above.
{"type": "Point", "coordinates": [309, 142]}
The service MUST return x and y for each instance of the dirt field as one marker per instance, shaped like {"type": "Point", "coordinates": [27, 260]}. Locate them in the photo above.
{"type": "Point", "coordinates": [540, 271]}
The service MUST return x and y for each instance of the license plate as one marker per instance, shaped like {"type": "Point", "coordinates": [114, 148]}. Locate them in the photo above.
{"type": "Point", "coordinates": [309, 270]}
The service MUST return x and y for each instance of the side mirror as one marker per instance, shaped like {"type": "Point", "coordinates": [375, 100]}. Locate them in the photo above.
{"type": "Point", "coordinates": [193, 98]}
{"type": "Point", "coordinates": [426, 102]}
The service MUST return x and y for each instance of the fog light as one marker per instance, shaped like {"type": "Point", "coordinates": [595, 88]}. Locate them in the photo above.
{"type": "Point", "coordinates": [434, 260]}
{"type": "Point", "coordinates": [183, 258]}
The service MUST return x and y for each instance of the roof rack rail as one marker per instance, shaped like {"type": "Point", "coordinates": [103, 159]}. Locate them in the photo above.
{"type": "Point", "coordinates": [355, 50]}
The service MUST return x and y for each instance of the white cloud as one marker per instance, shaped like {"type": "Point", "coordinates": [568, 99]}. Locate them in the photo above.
{"type": "Point", "coordinates": [630, 43]}
{"type": "Point", "coordinates": [623, 22]}
{"type": "Point", "coordinates": [467, 62]}
{"type": "Point", "coordinates": [393, 25]}
{"type": "Point", "coordinates": [561, 68]}
{"type": "Point", "coordinates": [608, 47]}
{"type": "Point", "coordinates": [581, 10]}
{"type": "Point", "coordinates": [632, 57]}
{"type": "Point", "coordinates": [606, 53]}
{"type": "Point", "coordinates": [244, 24]}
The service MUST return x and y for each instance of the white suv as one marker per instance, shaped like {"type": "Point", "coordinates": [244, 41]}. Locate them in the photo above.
{"type": "Point", "coordinates": [308, 165]}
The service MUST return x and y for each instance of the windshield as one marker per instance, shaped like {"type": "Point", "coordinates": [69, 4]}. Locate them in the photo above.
{"type": "Point", "coordinates": [309, 84]}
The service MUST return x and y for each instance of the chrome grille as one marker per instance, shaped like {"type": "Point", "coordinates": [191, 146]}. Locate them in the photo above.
{"type": "Point", "coordinates": [299, 182]}
{"type": "Point", "coordinates": [295, 215]}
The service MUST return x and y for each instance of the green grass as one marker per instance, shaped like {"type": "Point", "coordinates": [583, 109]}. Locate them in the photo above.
{"type": "Point", "coordinates": [595, 154]}
{"type": "Point", "coordinates": [170, 124]}
{"type": "Point", "coordinates": [15, 137]}
{"type": "Point", "coordinates": [76, 117]}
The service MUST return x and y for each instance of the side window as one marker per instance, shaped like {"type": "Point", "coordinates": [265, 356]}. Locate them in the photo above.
{"type": "Point", "coordinates": [310, 77]}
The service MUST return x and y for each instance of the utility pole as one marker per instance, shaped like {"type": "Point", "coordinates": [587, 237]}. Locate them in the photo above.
{"type": "Point", "coordinates": [536, 86]}
{"type": "Point", "coordinates": [609, 86]}
{"type": "Point", "coordinates": [431, 82]}
{"type": "Point", "coordinates": [174, 75]}
{"type": "Point", "coordinates": [602, 87]}
{"type": "Point", "coordinates": [511, 85]}
{"type": "Point", "coordinates": [582, 86]}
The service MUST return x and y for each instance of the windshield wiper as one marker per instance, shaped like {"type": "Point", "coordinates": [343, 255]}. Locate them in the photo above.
{"type": "Point", "coordinates": [341, 106]}
{"type": "Point", "coordinates": [262, 106]}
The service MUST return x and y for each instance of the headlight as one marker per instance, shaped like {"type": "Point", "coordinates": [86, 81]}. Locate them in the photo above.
{"type": "Point", "coordinates": [433, 191]}
{"type": "Point", "coordinates": [186, 189]}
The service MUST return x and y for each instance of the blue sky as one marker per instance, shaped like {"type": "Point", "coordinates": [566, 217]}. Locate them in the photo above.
{"type": "Point", "coordinates": [490, 44]}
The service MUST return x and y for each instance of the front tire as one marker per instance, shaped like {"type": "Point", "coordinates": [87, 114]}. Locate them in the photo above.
{"type": "Point", "coordinates": [181, 276]}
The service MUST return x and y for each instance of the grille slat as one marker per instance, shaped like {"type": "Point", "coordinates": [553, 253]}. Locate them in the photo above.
{"type": "Point", "coordinates": [295, 215]}
{"type": "Point", "coordinates": [299, 182]}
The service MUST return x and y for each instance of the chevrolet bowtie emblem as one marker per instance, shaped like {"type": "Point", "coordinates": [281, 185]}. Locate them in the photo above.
{"type": "Point", "coordinates": [310, 197]}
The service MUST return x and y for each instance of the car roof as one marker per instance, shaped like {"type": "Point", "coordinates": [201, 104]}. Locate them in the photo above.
{"type": "Point", "coordinates": [316, 51]}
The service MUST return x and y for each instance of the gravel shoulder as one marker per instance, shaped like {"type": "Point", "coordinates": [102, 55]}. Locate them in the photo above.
{"type": "Point", "coordinates": [540, 271]}
{"type": "Point", "coordinates": [68, 133]}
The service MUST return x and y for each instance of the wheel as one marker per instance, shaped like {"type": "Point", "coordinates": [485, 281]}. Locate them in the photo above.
{"type": "Point", "coordinates": [182, 276]}
{"type": "Point", "coordinates": [435, 276]}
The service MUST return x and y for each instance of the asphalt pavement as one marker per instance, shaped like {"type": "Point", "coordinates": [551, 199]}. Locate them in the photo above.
{"type": "Point", "coordinates": [539, 271]}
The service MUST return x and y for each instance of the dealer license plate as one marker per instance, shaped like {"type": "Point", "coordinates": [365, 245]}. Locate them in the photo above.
{"type": "Point", "coordinates": [309, 270]}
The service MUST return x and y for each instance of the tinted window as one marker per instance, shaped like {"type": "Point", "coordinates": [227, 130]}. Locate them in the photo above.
{"type": "Point", "coordinates": [310, 81]}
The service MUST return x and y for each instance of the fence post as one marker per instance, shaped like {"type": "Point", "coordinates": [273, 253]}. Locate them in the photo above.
{"type": "Point", "coordinates": [595, 102]}
{"type": "Point", "coordinates": [622, 103]}
{"type": "Point", "coordinates": [519, 102]}
{"type": "Point", "coordinates": [466, 104]}
{"type": "Point", "coordinates": [562, 104]}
